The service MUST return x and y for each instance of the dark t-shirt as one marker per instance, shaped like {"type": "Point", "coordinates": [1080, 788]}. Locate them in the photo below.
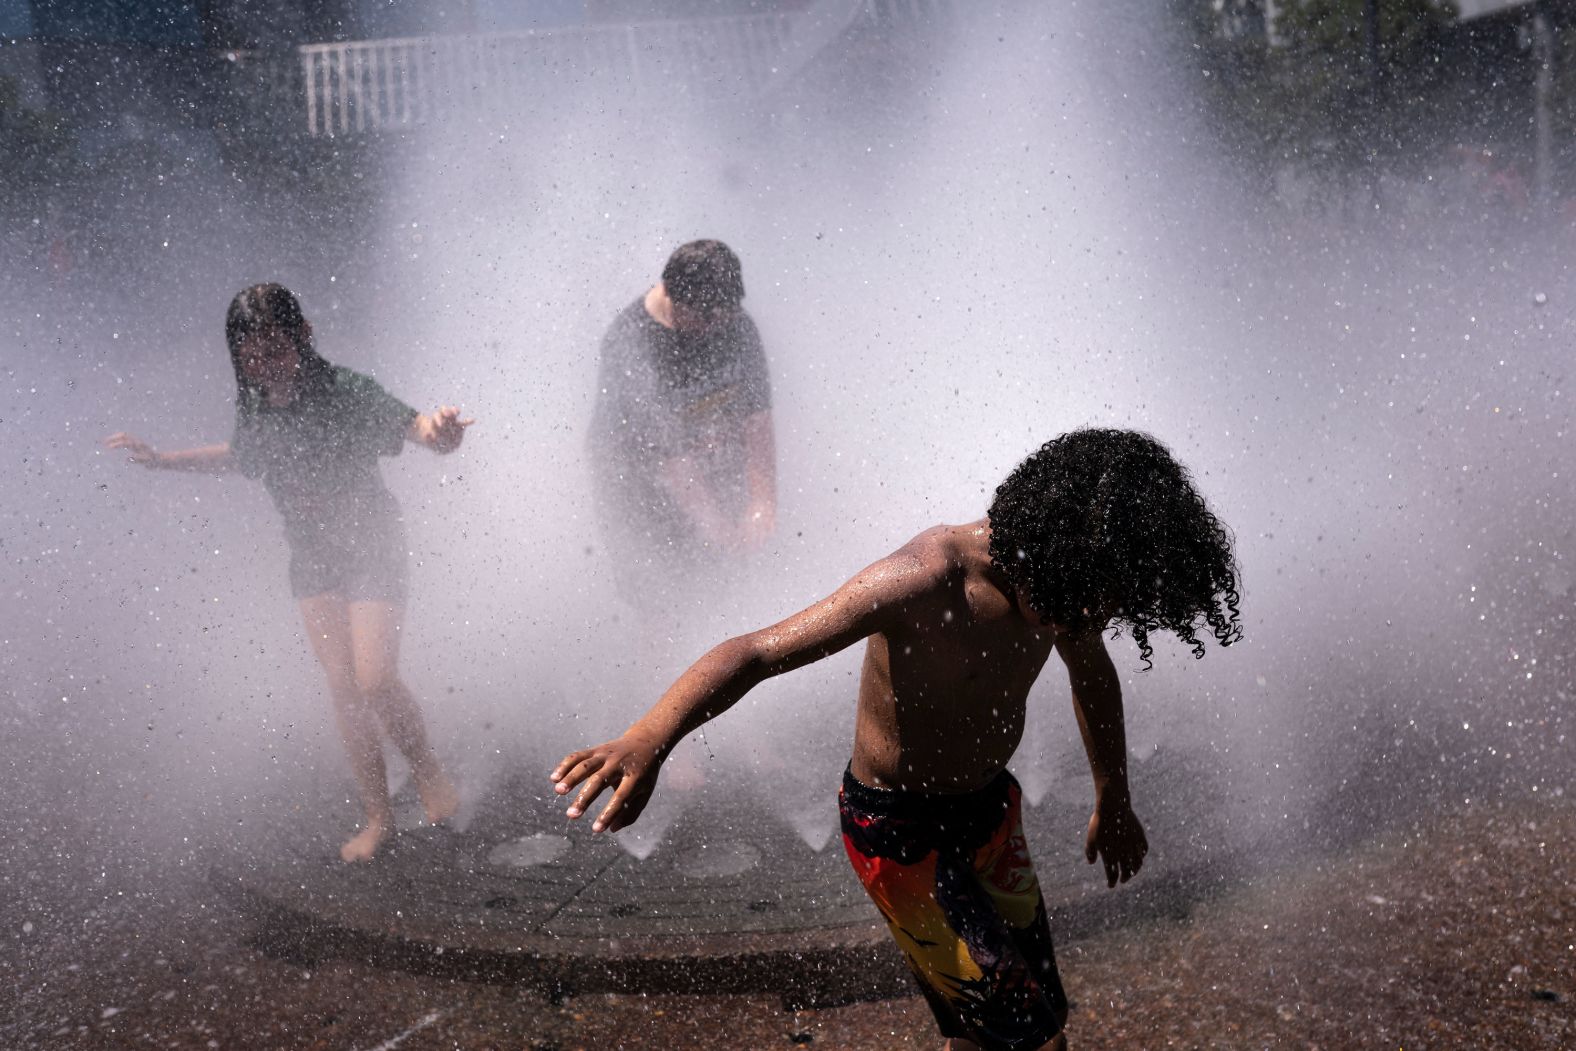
{"type": "Point", "coordinates": [661, 395]}
{"type": "Point", "coordinates": [318, 456]}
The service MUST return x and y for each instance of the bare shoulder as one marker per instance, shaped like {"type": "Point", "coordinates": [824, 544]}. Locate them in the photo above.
{"type": "Point", "coordinates": [936, 560]}
{"type": "Point", "coordinates": [954, 548]}
{"type": "Point", "coordinates": [919, 567]}
{"type": "Point", "coordinates": [878, 598]}
{"type": "Point", "coordinates": [934, 553]}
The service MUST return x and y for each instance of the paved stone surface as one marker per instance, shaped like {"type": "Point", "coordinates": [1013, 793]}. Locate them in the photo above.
{"type": "Point", "coordinates": [1383, 944]}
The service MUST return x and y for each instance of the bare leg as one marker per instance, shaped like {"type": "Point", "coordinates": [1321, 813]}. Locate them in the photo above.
{"type": "Point", "coordinates": [375, 629]}
{"type": "Point", "coordinates": [328, 629]}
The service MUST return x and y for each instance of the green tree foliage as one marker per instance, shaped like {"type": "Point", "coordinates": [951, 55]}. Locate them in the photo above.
{"type": "Point", "coordinates": [1297, 84]}
{"type": "Point", "coordinates": [1389, 103]}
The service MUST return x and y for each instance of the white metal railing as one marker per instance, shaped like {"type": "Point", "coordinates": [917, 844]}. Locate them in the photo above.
{"type": "Point", "coordinates": [360, 86]}
{"type": "Point", "coordinates": [365, 85]}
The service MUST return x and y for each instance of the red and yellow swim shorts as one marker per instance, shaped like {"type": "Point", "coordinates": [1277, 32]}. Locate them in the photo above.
{"type": "Point", "coordinates": [952, 876]}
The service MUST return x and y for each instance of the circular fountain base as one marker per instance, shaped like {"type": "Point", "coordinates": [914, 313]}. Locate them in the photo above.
{"type": "Point", "coordinates": [731, 896]}
{"type": "Point", "coordinates": [728, 902]}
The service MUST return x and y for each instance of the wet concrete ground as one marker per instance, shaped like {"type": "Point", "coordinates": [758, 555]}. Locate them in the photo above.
{"type": "Point", "coordinates": [1456, 931]}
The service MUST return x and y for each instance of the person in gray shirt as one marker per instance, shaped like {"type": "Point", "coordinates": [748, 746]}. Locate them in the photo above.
{"type": "Point", "coordinates": [682, 448]}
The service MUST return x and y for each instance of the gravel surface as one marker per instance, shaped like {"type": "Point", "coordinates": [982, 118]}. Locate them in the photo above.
{"type": "Point", "coordinates": [1457, 932]}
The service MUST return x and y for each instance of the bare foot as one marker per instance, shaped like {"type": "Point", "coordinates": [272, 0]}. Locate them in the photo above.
{"type": "Point", "coordinates": [439, 797]}
{"type": "Point", "coordinates": [365, 843]}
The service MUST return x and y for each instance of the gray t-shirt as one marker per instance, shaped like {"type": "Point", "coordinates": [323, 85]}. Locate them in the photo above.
{"type": "Point", "coordinates": [661, 395]}
{"type": "Point", "coordinates": [318, 456]}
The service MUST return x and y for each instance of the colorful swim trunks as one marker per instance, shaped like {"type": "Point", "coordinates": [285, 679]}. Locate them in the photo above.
{"type": "Point", "coordinates": [952, 876]}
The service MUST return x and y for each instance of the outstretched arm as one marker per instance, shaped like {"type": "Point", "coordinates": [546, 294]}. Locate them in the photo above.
{"type": "Point", "coordinates": [714, 683]}
{"type": "Point", "coordinates": [1114, 836]}
{"type": "Point", "coordinates": [441, 431]}
{"type": "Point", "coordinates": [209, 459]}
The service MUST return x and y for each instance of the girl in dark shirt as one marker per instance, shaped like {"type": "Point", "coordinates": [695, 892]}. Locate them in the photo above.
{"type": "Point", "coordinates": [312, 433]}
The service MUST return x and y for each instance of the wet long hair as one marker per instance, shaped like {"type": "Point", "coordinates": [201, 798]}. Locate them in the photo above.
{"type": "Point", "coordinates": [261, 308]}
{"type": "Point", "coordinates": [1103, 521]}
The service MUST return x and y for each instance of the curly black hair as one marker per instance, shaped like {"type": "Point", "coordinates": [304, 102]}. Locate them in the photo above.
{"type": "Point", "coordinates": [1105, 523]}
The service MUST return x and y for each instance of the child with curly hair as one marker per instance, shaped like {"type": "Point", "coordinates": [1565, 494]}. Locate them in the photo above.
{"type": "Point", "coordinates": [312, 433]}
{"type": "Point", "coordinates": [1097, 529]}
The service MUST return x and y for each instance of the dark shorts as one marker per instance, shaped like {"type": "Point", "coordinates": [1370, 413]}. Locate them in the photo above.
{"type": "Point", "coordinates": [952, 876]}
{"type": "Point", "coordinates": [366, 564]}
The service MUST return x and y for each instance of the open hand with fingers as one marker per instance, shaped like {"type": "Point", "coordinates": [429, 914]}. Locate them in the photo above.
{"type": "Point", "coordinates": [443, 430]}
{"type": "Point", "coordinates": [1117, 839]}
{"type": "Point", "coordinates": [628, 765]}
{"type": "Point", "coordinates": [137, 451]}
